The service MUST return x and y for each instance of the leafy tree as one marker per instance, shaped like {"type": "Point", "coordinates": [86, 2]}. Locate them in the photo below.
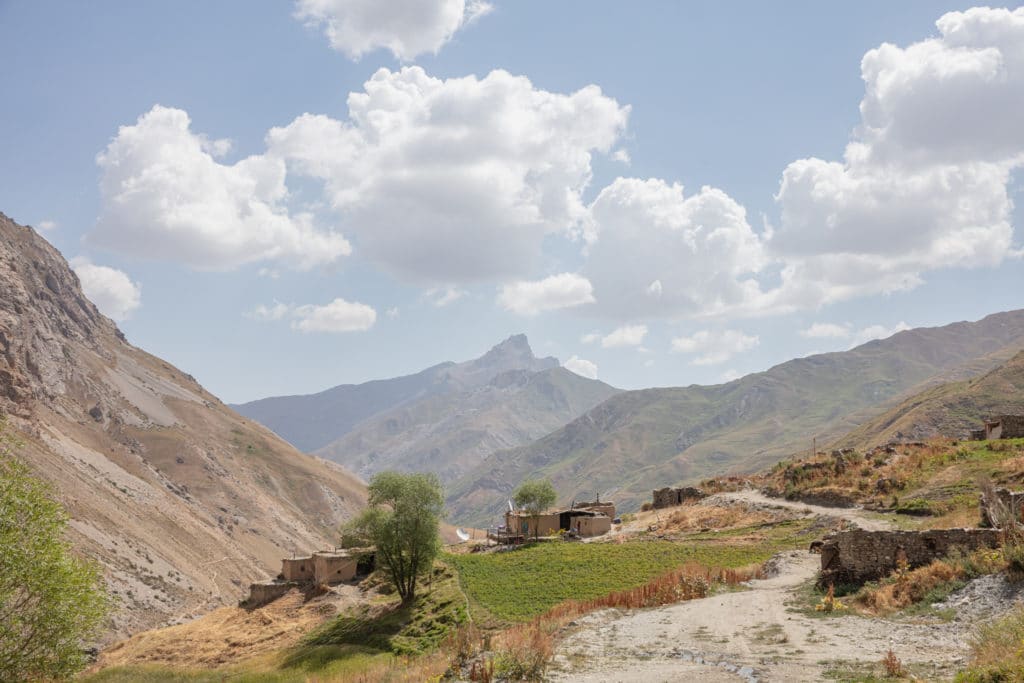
{"type": "Point", "coordinates": [50, 600]}
{"type": "Point", "coordinates": [535, 496]}
{"type": "Point", "coordinates": [402, 521]}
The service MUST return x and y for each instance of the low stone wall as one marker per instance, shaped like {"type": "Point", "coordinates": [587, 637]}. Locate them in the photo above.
{"type": "Point", "coordinates": [267, 591]}
{"type": "Point", "coordinates": [669, 497]}
{"type": "Point", "coordinates": [854, 557]}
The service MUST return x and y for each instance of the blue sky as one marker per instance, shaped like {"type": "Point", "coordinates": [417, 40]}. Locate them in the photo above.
{"type": "Point", "coordinates": [525, 200]}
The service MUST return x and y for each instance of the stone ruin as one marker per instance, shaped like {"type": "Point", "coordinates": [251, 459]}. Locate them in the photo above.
{"type": "Point", "coordinates": [322, 568]}
{"type": "Point", "coordinates": [855, 557]}
{"type": "Point", "coordinates": [1000, 427]}
{"type": "Point", "coordinates": [1010, 500]}
{"type": "Point", "coordinates": [669, 497]}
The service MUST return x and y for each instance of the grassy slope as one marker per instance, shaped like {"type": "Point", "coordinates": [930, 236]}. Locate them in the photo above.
{"type": "Point", "coordinates": [640, 440]}
{"type": "Point", "coordinates": [949, 409]}
{"type": "Point", "coordinates": [934, 483]}
{"type": "Point", "coordinates": [363, 638]}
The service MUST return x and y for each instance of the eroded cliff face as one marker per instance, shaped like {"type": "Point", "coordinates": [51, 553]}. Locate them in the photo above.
{"type": "Point", "coordinates": [180, 499]}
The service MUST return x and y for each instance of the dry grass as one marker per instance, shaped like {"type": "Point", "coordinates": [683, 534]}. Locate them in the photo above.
{"type": "Point", "coordinates": [997, 651]}
{"type": "Point", "coordinates": [907, 587]}
{"type": "Point", "coordinates": [229, 634]}
{"type": "Point", "coordinates": [704, 517]}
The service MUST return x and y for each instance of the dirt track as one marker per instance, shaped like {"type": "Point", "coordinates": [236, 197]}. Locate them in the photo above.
{"type": "Point", "coordinates": [752, 635]}
{"type": "Point", "coordinates": [855, 515]}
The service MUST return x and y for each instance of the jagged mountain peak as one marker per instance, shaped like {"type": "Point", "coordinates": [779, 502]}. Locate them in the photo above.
{"type": "Point", "coordinates": [513, 353]}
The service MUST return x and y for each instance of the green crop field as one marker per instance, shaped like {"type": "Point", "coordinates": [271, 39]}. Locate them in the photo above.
{"type": "Point", "coordinates": [521, 584]}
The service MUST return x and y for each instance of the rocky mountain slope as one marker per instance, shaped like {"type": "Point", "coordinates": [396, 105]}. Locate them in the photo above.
{"type": "Point", "coordinates": [181, 500]}
{"type": "Point", "coordinates": [445, 419]}
{"type": "Point", "coordinates": [453, 432]}
{"type": "Point", "coordinates": [639, 440]}
{"type": "Point", "coordinates": [314, 421]}
{"type": "Point", "coordinates": [950, 409]}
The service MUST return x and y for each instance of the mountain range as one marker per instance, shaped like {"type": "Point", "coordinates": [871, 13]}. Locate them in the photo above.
{"type": "Point", "coordinates": [446, 419]}
{"type": "Point", "coordinates": [181, 500]}
{"type": "Point", "coordinates": [640, 440]}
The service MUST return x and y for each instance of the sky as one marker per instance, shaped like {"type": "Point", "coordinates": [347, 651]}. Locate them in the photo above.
{"type": "Point", "coordinates": [279, 197]}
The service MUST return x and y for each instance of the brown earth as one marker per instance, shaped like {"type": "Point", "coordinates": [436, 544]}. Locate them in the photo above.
{"type": "Point", "coordinates": [182, 501]}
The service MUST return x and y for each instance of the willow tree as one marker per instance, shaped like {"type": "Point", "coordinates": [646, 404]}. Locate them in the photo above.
{"type": "Point", "coordinates": [51, 601]}
{"type": "Point", "coordinates": [402, 521]}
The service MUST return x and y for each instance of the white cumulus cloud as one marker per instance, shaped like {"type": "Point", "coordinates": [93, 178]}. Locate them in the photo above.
{"type": "Point", "coordinates": [714, 346]}
{"type": "Point", "coordinates": [275, 311]}
{"type": "Point", "coordinates": [442, 296]}
{"type": "Point", "coordinates": [581, 367]}
{"type": "Point", "coordinates": [337, 316]}
{"type": "Point", "coordinates": [655, 252]}
{"type": "Point", "coordinates": [459, 180]}
{"type": "Point", "coordinates": [165, 195]}
{"type": "Point", "coordinates": [557, 291]}
{"type": "Point", "coordinates": [923, 182]}
{"type": "Point", "coordinates": [627, 335]}
{"type": "Point", "coordinates": [110, 289]}
{"type": "Point", "coordinates": [826, 331]}
{"type": "Point", "coordinates": [405, 27]}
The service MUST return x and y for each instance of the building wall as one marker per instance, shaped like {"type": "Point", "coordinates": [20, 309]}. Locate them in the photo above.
{"type": "Point", "coordinates": [548, 523]}
{"type": "Point", "coordinates": [297, 569]}
{"type": "Point", "coordinates": [1005, 427]}
{"type": "Point", "coordinates": [1013, 426]}
{"type": "Point", "coordinates": [854, 557]}
{"type": "Point", "coordinates": [604, 508]}
{"type": "Point", "coordinates": [333, 567]}
{"type": "Point", "coordinates": [593, 526]}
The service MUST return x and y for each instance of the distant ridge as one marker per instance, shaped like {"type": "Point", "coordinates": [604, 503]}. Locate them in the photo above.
{"type": "Point", "coordinates": [639, 440]}
{"type": "Point", "coordinates": [952, 409]}
{"type": "Point", "coordinates": [445, 419]}
{"type": "Point", "coordinates": [312, 421]}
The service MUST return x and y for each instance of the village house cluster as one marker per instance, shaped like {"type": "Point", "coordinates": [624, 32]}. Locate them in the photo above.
{"type": "Point", "coordinates": [583, 520]}
{"type": "Point", "coordinates": [321, 568]}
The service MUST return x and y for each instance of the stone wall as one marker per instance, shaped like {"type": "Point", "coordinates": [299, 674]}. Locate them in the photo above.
{"type": "Point", "coordinates": [669, 497]}
{"type": "Point", "coordinates": [267, 591]}
{"type": "Point", "coordinates": [854, 557]}
{"type": "Point", "coordinates": [1005, 426]}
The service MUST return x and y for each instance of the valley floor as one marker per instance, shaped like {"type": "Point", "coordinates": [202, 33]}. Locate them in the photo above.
{"type": "Point", "coordinates": [748, 635]}
{"type": "Point", "coordinates": [767, 633]}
